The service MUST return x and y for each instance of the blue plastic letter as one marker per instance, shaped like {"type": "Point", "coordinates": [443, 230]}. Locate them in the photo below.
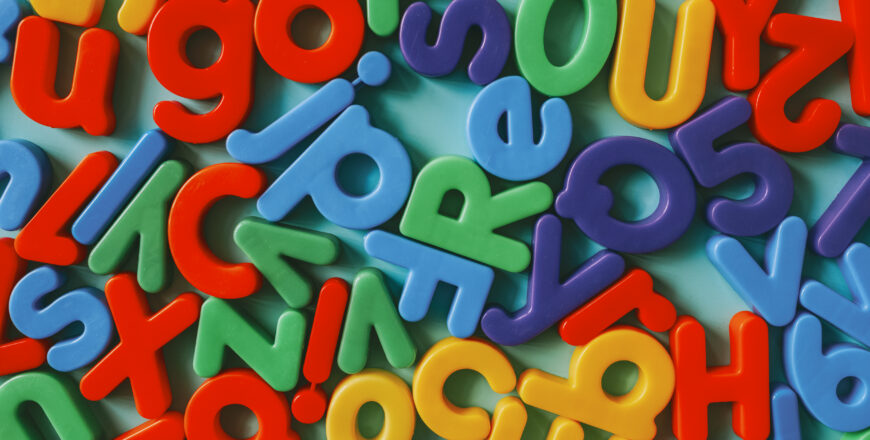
{"type": "Point", "coordinates": [10, 15]}
{"type": "Point", "coordinates": [784, 414]}
{"type": "Point", "coordinates": [29, 174]}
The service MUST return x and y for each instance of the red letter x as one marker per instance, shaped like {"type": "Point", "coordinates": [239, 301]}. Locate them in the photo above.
{"type": "Point", "coordinates": [138, 356]}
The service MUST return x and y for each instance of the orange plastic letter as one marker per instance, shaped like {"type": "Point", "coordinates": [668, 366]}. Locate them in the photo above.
{"type": "Point", "coordinates": [89, 103]}
{"type": "Point", "coordinates": [231, 77]}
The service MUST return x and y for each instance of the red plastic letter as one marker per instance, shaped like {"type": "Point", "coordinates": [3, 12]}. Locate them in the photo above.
{"type": "Point", "coordinates": [633, 291]}
{"type": "Point", "coordinates": [89, 103]}
{"type": "Point", "coordinates": [237, 387]}
{"type": "Point", "coordinates": [46, 238]}
{"type": "Point", "coordinates": [741, 23]}
{"type": "Point", "coordinates": [138, 356]}
{"type": "Point", "coordinates": [168, 427]}
{"type": "Point", "coordinates": [195, 261]}
{"type": "Point", "coordinates": [272, 26]}
{"type": "Point", "coordinates": [815, 45]}
{"type": "Point", "coordinates": [25, 353]}
{"type": "Point", "coordinates": [745, 381]}
{"type": "Point", "coordinates": [856, 13]}
{"type": "Point", "coordinates": [231, 77]}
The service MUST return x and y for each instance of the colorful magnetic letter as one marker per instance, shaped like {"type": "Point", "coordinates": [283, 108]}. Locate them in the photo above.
{"type": "Point", "coordinates": [846, 215]}
{"type": "Point", "coordinates": [458, 19]}
{"type": "Point", "coordinates": [44, 238]}
{"type": "Point", "coordinates": [688, 78]}
{"type": "Point", "coordinates": [221, 326]}
{"type": "Point", "coordinates": [850, 317]}
{"type": "Point", "coordinates": [272, 24]}
{"type": "Point", "coordinates": [426, 268]}
{"type": "Point", "coordinates": [89, 103]}
{"type": "Point", "coordinates": [170, 426]}
{"type": "Point", "coordinates": [440, 362]}
{"type": "Point", "coordinates": [592, 52]}
{"type": "Point", "coordinates": [564, 428]}
{"type": "Point", "coordinates": [268, 244]}
{"type": "Point", "coordinates": [10, 15]}
{"type": "Point", "coordinates": [784, 414]}
{"type": "Point", "coordinates": [379, 386]}
{"type": "Point", "coordinates": [139, 356]}
{"type": "Point", "coordinates": [21, 354]}
{"type": "Point", "coordinates": [79, 305]}
{"type": "Point", "coordinates": [856, 13]}
{"type": "Point", "coordinates": [237, 387]}
{"type": "Point", "coordinates": [549, 300]}
{"type": "Point", "coordinates": [815, 372]}
{"type": "Point", "coordinates": [772, 294]}
{"type": "Point", "coordinates": [135, 16]}
{"type": "Point", "coordinates": [633, 291]}
{"type": "Point", "coordinates": [314, 174]}
{"type": "Point", "coordinates": [581, 397]}
{"type": "Point", "coordinates": [383, 16]}
{"type": "Point", "coordinates": [472, 233]}
{"type": "Point", "coordinates": [588, 202]}
{"type": "Point", "coordinates": [815, 45]}
{"type": "Point", "coordinates": [741, 24]}
{"type": "Point", "coordinates": [67, 412]}
{"type": "Point", "coordinates": [202, 268]}
{"type": "Point", "coordinates": [29, 173]}
{"type": "Point", "coordinates": [520, 158]}
{"type": "Point", "coordinates": [372, 308]}
{"type": "Point", "coordinates": [774, 187]}
{"type": "Point", "coordinates": [286, 132]}
{"type": "Point", "coordinates": [745, 382]}
{"type": "Point", "coordinates": [309, 404]}
{"type": "Point", "coordinates": [230, 77]}
{"type": "Point", "coordinates": [144, 220]}
{"type": "Point", "coordinates": [126, 179]}
{"type": "Point", "coordinates": [84, 13]}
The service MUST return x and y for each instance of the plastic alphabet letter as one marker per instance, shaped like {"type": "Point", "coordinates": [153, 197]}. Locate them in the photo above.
{"type": "Point", "coordinates": [383, 16]}
{"type": "Point", "coordinates": [582, 398]}
{"type": "Point", "coordinates": [815, 372]}
{"type": "Point", "coordinates": [272, 28]}
{"type": "Point", "coordinates": [67, 412]}
{"type": "Point", "coordinates": [549, 300]}
{"type": "Point", "coordinates": [472, 235]}
{"type": "Point", "coordinates": [202, 268]}
{"type": "Point", "coordinates": [459, 17]}
{"type": "Point", "coordinates": [850, 317]}
{"type": "Point", "coordinates": [230, 77]}
{"type": "Point", "coordinates": [268, 245]}
{"type": "Point", "coordinates": [10, 15]}
{"type": "Point", "coordinates": [135, 16]}
{"type": "Point", "coordinates": [520, 158]}
{"type": "Point", "coordinates": [237, 387]}
{"type": "Point", "coordinates": [79, 305]}
{"type": "Point", "coordinates": [772, 294]}
{"type": "Point", "coordinates": [84, 13]}
{"type": "Point", "coordinates": [588, 202]}
{"type": "Point", "coordinates": [774, 188]}
{"type": "Point", "coordinates": [633, 291]}
{"type": "Point", "coordinates": [741, 23]}
{"type": "Point", "coordinates": [784, 414]}
{"type": "Point", "coordinates": [599, 26]}
{"type": "Point", "coordinates": [688, 79]}
{"type": "Point", "coordinates": [426, 268]}
{"type": "Point", "coordinates": [222, 326]}
{"type": "Point", "coordinates": [170, 426]}
{"type": "Point", "coordinates": [850, 210]}
{"type": "Point", "coordinates": [89, 103]}
{"type": "Point", "coordinates": [21, 354]}
{"type": "Point", "coordinates": [138, 357]}
{"type": "Point", "coordinates": [564, 428]}
{"type": "Point", "coordinates": [29, 173]}
{"type": "Point", "coordinates": [372, 308]}
{"type": "Point", "coordinates": [816, 44]}
{"type": "Point", "coordinates": [856, 13]}
{"type": "Point", "coordinates": [44, 238]}
{"type": "Point", "coordinates": [145, 219]}
{"type": "Point", "coordinates": [286, 132]}
{"type": "Point", "coordinates": [379, 386]}
{"type": "Point", "coordinates": [745, 382]}
{"type": "Point", "coordinates": [314, 174]}
{"type": "Point", "coordinates": [440, 362]}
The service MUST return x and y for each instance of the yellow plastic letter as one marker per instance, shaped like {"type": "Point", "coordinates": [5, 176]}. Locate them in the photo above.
{"type": "Point", "coordinates": [382, 387]}
{"type": "Point", "coordinates": [85, 13]}
{"type": "Point", "coordinates": [689, 62]}
{"type": "Point", "coordinates": [582, 398]}
{"type": "Point", "coordinates": [564, 428]}
{"type": "Point", "coordinates": [135, 15]}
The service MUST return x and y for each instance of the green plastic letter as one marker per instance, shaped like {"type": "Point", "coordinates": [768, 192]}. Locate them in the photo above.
{"type": "Point", "coordinates": [63, 405]}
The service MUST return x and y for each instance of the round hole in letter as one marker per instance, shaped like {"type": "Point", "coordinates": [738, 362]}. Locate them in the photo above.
{"type": "Point", "coordinates": [370, 419]}
{"type": "Point", "coordinates": [239, 421]}
{"type": "Point", "coordinates": [635, 193]}
{"type": "Point", "coordinates": [203, 48]}
{"type": "Point", "coordinates": [357, 174]}
{"type": "Point", "coordinates": [851, 390]}
{"type": "Point", "coordinates": [310, 28]}
{"type": "Point", "coordinates": [619, 379]}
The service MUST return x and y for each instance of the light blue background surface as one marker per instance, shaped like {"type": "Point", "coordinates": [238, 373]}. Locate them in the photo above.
{"type": "Point", "coordinates": [428, 116]}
